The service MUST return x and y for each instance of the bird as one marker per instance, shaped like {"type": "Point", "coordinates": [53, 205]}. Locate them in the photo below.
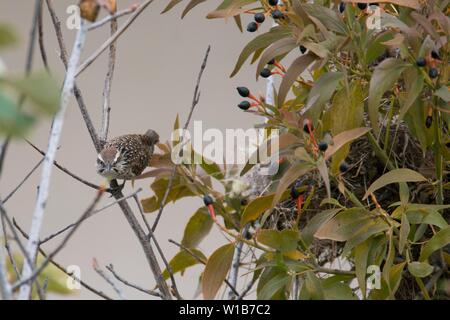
{"type": "Point", "coordinates": [126, 156]}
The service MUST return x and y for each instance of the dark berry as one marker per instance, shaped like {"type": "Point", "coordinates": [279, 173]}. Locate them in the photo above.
{"type": "Point", "coordinates": [421, 62]}
{"type": "Point", "coordinates": [259, 17]}
{"type": "Point", "coordinates": [307, 125]}
{"type": "Point", "coordinates": [244, 201]}
{"type": "Point", "coordinates": [343, 167]}
{"type": "Point", "coordinates": [323, 146]}
{"type": "Point", "coordinates": [435, 55]}
{"type": "Point", "coordinates": [433, 73]}
{"type": "Point", "coordinates": [271, 62]}
{"type": "Point", "coordinates": [265, 73]}
{"type": "Point", "coordinates": [277, 14]}
{"type": "Point", "coordinates": [302, 49]}
{"type": "Point", "coordinates": [273, 2]}
{"type": "Point", "coordinates": [243, 91]}
{"type": "Point", "coordinates": [252, 26]}
{"type": "Point", "coordinates": [244, 105]}
{"type": "Point", "coordinates": [429, 122]}
{"type": "Point", "coordinates": [448, 144]}
{"type": "Point", "coordinates": [362, 6]}
{"type": "Point", "coordinates": [294, 192]}
{"type": "Point", "coordinates": [341, 7]}
{"type": "Point", "coordinates": [207, 200]}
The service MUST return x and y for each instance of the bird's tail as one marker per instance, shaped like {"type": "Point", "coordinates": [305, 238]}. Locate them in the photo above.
{"type": "Point", "coordinates": [153, 136]}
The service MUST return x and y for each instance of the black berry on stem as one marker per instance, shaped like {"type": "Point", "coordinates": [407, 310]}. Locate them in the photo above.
{"type": "Point", "coordinates": [421, 62]}
{"type": "Point", "coordinates": [277, 14]}
{"type": "Point", "coordinates": [323, 146]}
{"type": "Point", "coordinates": [343, 167]}
{"type": "Point", "coordinates": [207, 200]}
{"type": "Point", "coordinates": [244, 105]}
{"type": "Point", "coordinates": [429, 122]}
{"type": "Point", "coordinates": [243, 91]}
{"type": "Point", "coordinates": [362, 6]}
{"type": "Point", "coordinates": [302, 49]}
{"type": "Point", "coordinates": [273, 2]}
{"type": "Point", "coordinates": [259, 17]}
{"type": "Point", "coordinates": [252, 26]}
{"type": "Point", "coordinates": [433, 73]}
{"type": "Point", "coordinates": [341, 7]}
{"type": "Point", "coordinates": [265, 73]}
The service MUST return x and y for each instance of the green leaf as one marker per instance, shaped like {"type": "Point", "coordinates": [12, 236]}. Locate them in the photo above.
{"type": "Point", "coordinates": [343, 138]}
{"type": "Point", "coordinates": [197, 228]}
{"type": "Point", "coordinates": [41, 89]}
{"type": "Point", "coordinates": [424, 216]}
{"type": "Point", "coordinates": [7, 35]}
{"type": "Point", "coordinates": [384, 77]}
{"type": "Point", "coordinates": [361, 261]}
{"type": "Point", "coordinates": [416, 81]}
{"type": "Point", "coordinates": [328, 17]}
{"type": "Point", "coordinates": [404, 232]}
{"type": "Point", "coordinates": [13, 121]}
{"type": "Point", "coordinates": [443, 93]}
{"type": "Point", "coordinates": [272, 283]}
{"type": "Point", "coordinates": [170, 5]}
{"type": "Point", "coordinates": [293, 72]}
{"type": "Point", "coordinates": [183, 260]}
{"type": "Point", "coordinates": [439, 240]}
{"type": "Point", "coordinates": [323, 170]}
{"type": "Point", "coordinates": [316, 222]}
{"type": "Point", "coordinates": [337, 290]}
{"type": "Point", "coordinates": [191, 5]}
{"type": "Point", "coordinates": [216, 270]}
{"type": "Point", "coordinates": [420, 269]}
{"type": "Point", "coordinates": [313, 286]}
{"type": "Point", "coordinates": [394, 176]}
{"type": "Point", "coordinates": [260, 42]}
{"type": "Point", "coordinates": [258, 206]}
{"type": "Point", "coordinates": [278, 48]}
{"type": "Point", "coordinates": [283, 241]}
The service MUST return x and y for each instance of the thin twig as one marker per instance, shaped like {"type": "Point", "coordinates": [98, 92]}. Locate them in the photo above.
{"type": "Point", "coordinates": [108, 279]}
{"type": "Point", "coordinates": [76, 90]}
{"type": "Point", "coordinates": [28, 65]}
{"type": "Point", "coordinates": [112, 17]}
{"type": "Point", "coordinates": [25, 280]}
{"type": "Point", "coordinates": [158, 247]}
{"type": "Point", "coordinates": [63, 169]}
{"type": "Point", "coordinates": [247, 289]}
{"type": "Point", "coordinates": [202, 262]}
{"type": "Point", "coordinates": [235, 264]}
{"type": "Point", "coordinates": [195, 101]}
{"type": "Point", "coordinates": [113, 38]}
{"type": "Point", "coordinates": [5, 287]}
{"type": "Point", "coordinates": [41, 36]}
{"type": "Point", "coordinates": [23, 181]}
{"type": "Point", "coordinates": [106, 110]}
{"type": "Point", "coordinates": [60, 267]}
{"type": "Point", "coordinates": [55, 234]}
{"type": "Point", "coordinates": [129, 284]}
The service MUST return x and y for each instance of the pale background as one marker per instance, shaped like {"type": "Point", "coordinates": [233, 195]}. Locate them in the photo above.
{"type": "Point", "coordinates": [158, 60]}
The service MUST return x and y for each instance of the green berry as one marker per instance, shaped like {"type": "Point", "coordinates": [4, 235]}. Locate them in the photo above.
{"type": "Point", "coordinates": [265, 73]}
{"type": "Point", "coordinates": [259, 17]}
{"type": "Point", "coordinates": [252, 26]}
{"type": "Point", "coordinates": [244, 105]}
{"type": "Point", "coordinates": [243, 92]}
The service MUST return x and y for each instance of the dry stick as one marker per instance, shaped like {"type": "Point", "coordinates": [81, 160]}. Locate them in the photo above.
{"type": "Point", "coordinates": [55, 234]}
{"type": "Point", "coordinates": [47, 167]}
{"type": "Point", "coordinates": [113, 38]}
{"type": "Point", "coordinates": [195, 101]}
{"type": "Point", "coordinates": [63, 169]}
{"type": "Point", "coordinates": [235, 264]}
{"type": "Point", "coordinates": [22, 248]}
{"type": "Point", "coordinates": [23, 181]}
{"type": "Point", "coordinates": [76, 90]}
{"type": "Point", "coordinates": [106, 111]}
{"type": "Point", "coordinates": [161, 253]}
{"type": "Point", "coordinates": [41, 36]}
{"type": "Point", "coordinates": [5, 287]}
{"type": "Point", "coordinates": [60, 267]}
{"type": "Point", "coordinates": [202, 262]}
{"type": "Point", "coordinates": [247, 289]}
{"type": "Point", "coordinates": [115, 16]}
{"type": "Point", "coordinates": [8, 249]}
{"type": "Point", "coordinates": [63, 243]}
{"type": "Point", "coordinates": [28, 66]}
{"type": "Point", "coordinates": [108, 279]}
{"type": "Point", "coordinates": [140, 234]}
{"type": "Point", "coordinates": [129, 284]}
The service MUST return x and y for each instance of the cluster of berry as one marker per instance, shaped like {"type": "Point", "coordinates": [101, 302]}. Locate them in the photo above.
{"type": "Point", "coordinates": [260, 17]}
{"type": "Point", "coordinates": [432, 60]}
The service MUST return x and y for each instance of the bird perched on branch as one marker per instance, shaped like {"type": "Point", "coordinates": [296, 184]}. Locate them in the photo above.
{"type": "Point", "coordinates": [125, 157]}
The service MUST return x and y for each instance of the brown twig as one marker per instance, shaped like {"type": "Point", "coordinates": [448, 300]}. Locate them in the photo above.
{"type": "Point", "coordinates": [41, 36]}
{"type": "Point", "coordinates": [61, 268]}
{"type": "Point", "coordinates": [129, 284]}
{"type": "Point", "coordinates": [23, 181]}
{"type": "Point", "coordinates": [195, 101]}
{"type": "Point", "coordinates": [113, 38]}
{"type": "Point", "coordinates": [52, 254]}
{"type": "Point", "coordinates": [108, 279]}
{"type": "Point", "coordinates": [115, 16]}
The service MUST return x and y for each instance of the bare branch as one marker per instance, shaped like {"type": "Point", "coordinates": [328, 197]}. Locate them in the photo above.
{"type": "Point", "coordinates": [113, 17]}
{"type": "Point", "coordinates": [235, 264]}
{"type": "Point", "coordinates": [129, 284]}
{"type": "Point", "coordinates": [53, 235]}
{"type": "Point", "coordinates": [113, 38]}
{"type": "Point", "coordinates": [25, 280]}
{"type": "Point", "coordinates": [195, 100]}
{"type": "Point", "coordinates": [63, 169]}
{"type": "Point", "coordinates": [41, 35]}
{"type": "Point", "coordinates": [108, 279]}
{"type": "Point", "coordinates": [5, 287]}
{"type": "Point", "coordinates": [23, 181]}
{"type": "Point", "coordinates": [60, 267]}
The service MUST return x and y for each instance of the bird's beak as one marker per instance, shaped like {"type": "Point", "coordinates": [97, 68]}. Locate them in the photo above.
{"type": "Point", "coordinates": [108, 167]}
